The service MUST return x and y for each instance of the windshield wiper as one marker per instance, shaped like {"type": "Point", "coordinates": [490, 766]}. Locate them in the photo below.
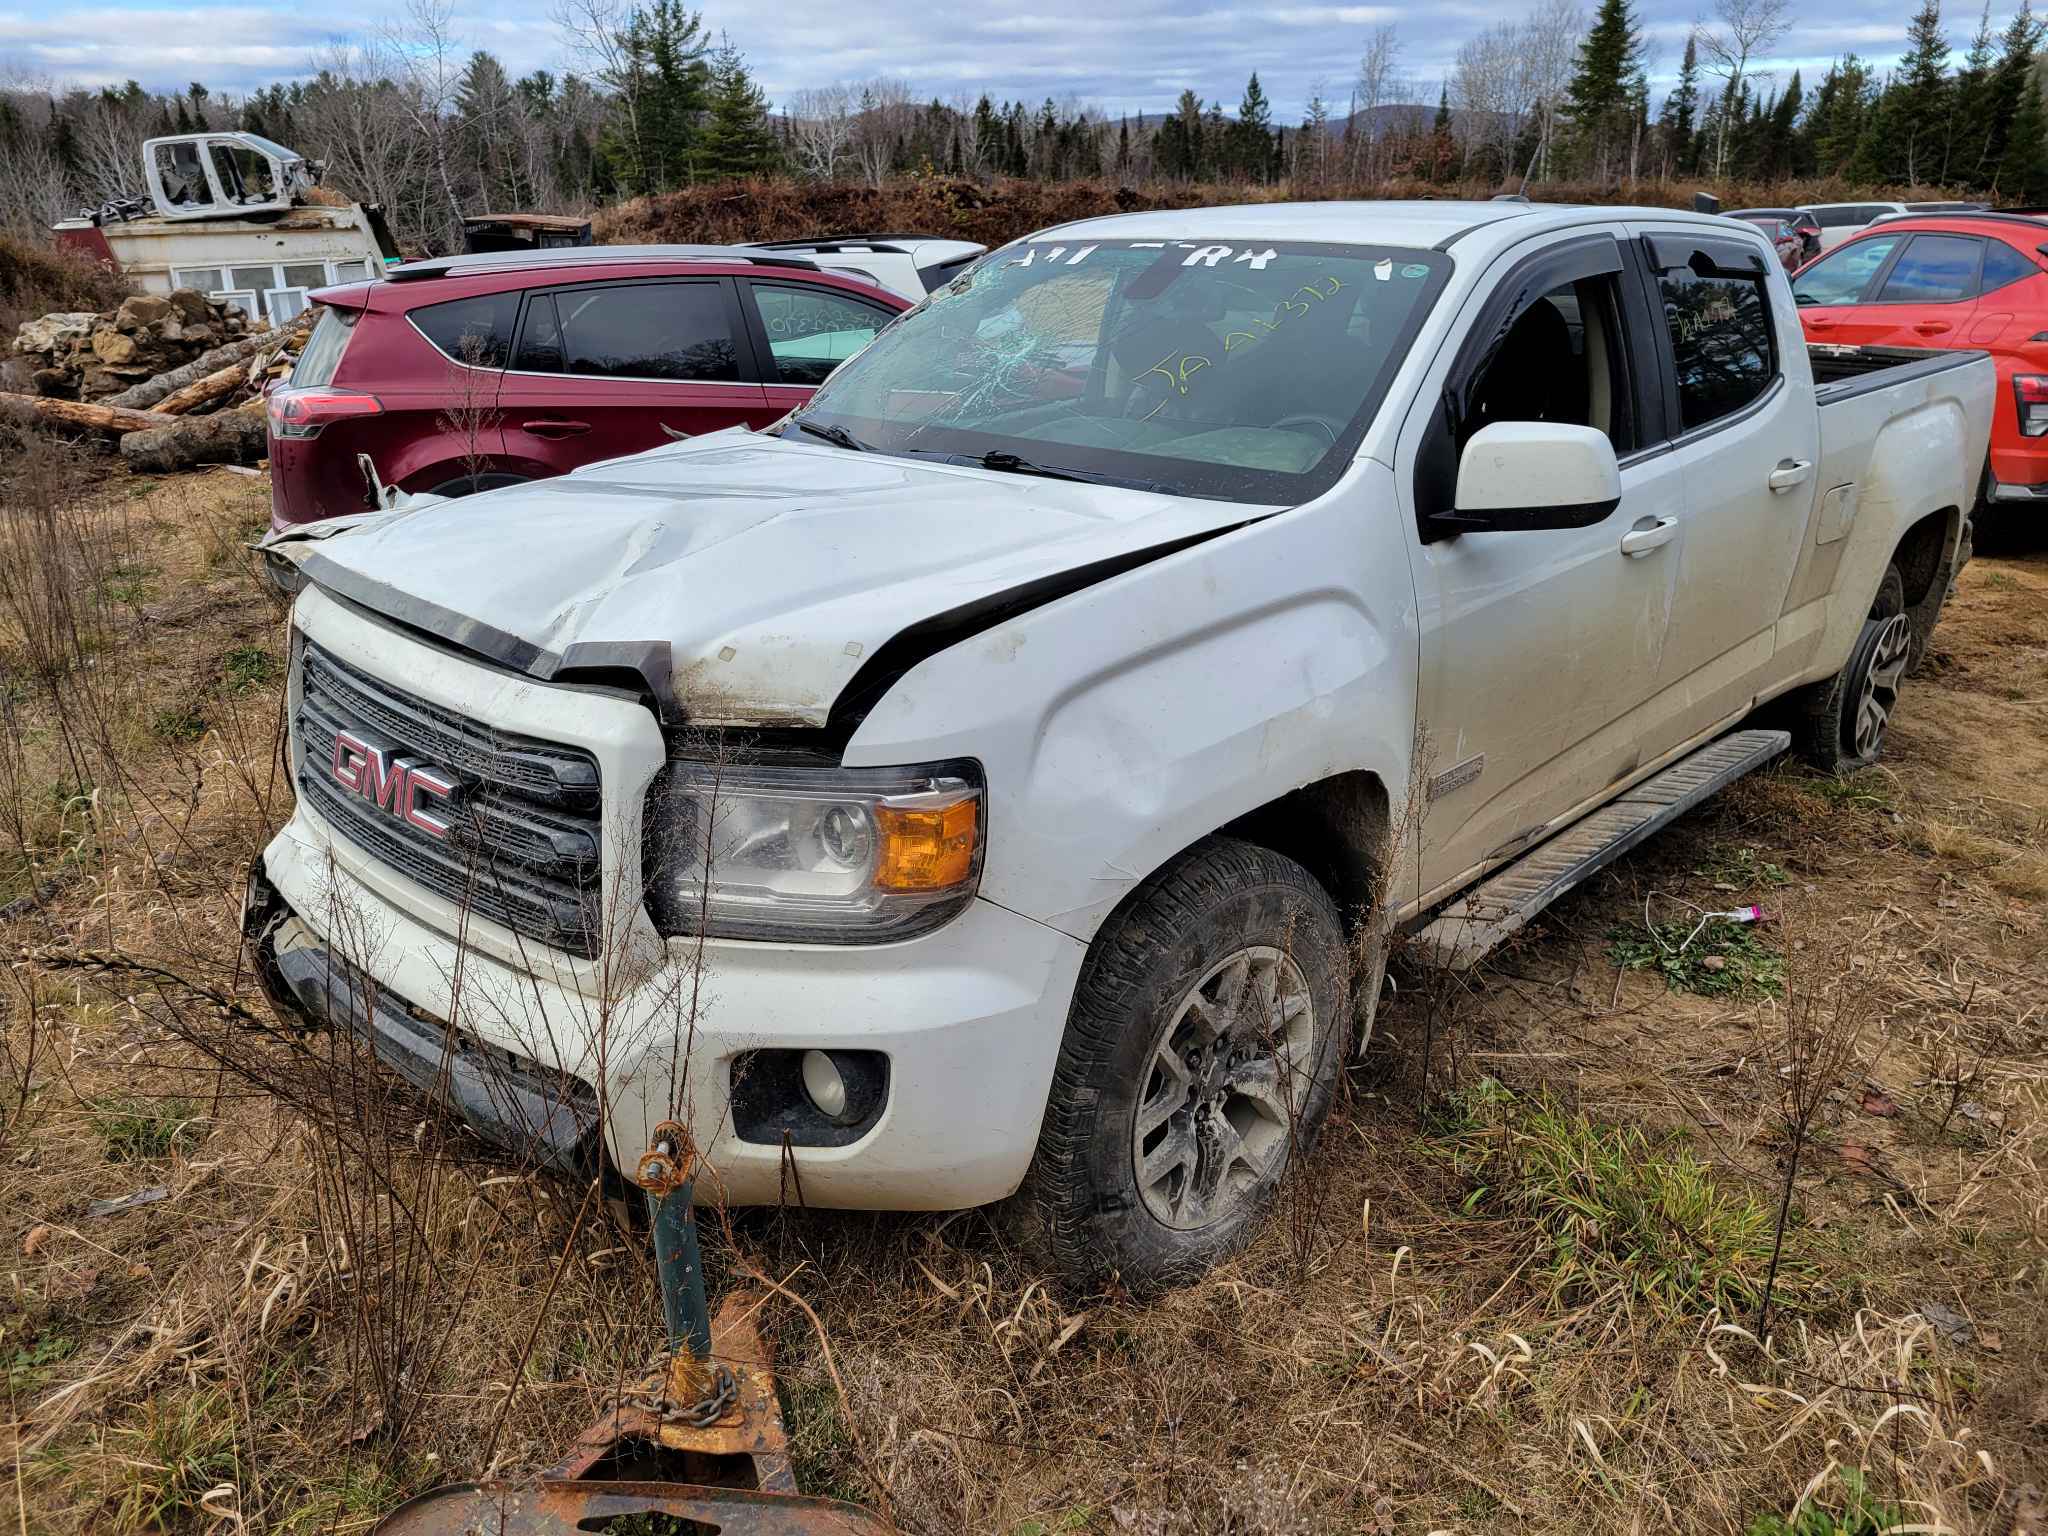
{"type": "Point", "coordinates": [1008, 463]}
{"type": "Point", "coordinates": [839, 437]}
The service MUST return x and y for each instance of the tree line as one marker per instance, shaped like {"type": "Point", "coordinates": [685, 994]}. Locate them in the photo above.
{"type": "Point", "coordinates": [649, 100]}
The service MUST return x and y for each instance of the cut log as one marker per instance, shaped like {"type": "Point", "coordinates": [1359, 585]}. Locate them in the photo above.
{"type": "Point", "coordinates": [239, 436]}
{"type": "Point", "coordinates": [199, 391]}
{"type": "Point", "coordinates": [73, 415]}
{"type": "Point", "coordinates": [149, 391]}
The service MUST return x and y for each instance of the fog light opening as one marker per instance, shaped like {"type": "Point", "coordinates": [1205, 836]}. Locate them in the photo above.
{"type": "Point", "coordinates": [824, 1086]}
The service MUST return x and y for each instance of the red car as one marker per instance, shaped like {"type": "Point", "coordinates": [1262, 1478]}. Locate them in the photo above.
{"type": "Point", "coordinates": [1952, 280]}
{"type": "Point", "coordinates": [474, 372]}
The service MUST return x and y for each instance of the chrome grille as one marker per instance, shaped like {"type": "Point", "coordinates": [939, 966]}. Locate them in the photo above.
{"type": "Point", "coordinates": [523, 844]}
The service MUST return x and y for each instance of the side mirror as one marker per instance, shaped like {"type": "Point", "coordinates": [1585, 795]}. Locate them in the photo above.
{"type": "Point", "coordinates": [1519, 476]}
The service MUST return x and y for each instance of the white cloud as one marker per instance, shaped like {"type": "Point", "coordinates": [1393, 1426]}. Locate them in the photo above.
{"type": "Point", "coordinates": [1135, 55]}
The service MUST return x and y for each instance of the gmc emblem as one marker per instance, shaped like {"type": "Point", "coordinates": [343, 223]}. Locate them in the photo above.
{"type": "Point", "coordinates": [395, 785]}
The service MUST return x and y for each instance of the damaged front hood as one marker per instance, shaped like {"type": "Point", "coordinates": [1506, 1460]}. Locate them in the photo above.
{"type": "Point", "coordinates": [746, 579]}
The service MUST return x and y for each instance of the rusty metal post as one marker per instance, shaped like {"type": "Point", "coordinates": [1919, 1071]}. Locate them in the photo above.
{"type": "Point", "coordinates": [667, 1174]}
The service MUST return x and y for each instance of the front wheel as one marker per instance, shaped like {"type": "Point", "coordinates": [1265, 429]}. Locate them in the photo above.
{"type": "Point", "coordinates": [1201, 1056]}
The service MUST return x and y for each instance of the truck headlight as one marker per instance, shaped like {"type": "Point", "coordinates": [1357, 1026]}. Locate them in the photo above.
{"type": "Point", "coordinates": [820, 855]}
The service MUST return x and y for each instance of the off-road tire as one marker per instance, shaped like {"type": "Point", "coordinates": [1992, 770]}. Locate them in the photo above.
{"type": "Point", "coordinates": [471, 485]}
{"type": "Point", "coordinates": [1081, 1210]}
{"type": "Point", "coordinates": [1824, 714]}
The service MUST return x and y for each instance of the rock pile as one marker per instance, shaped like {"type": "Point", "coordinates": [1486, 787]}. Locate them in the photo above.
{"type": "Point", "coordinates": [80, 355]}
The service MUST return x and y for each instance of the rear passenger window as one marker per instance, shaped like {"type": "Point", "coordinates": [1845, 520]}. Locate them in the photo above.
{"type": "Point", "coordinates": [811, 331]}
{"type": "Point", "coordinates": [322, 354]}
{"type": "Point", "coordinates": [2003, 265]}
{"type": "Point", "coordinates": [1720, 340]}
{"type": "Point", "coordinates": [679, 331]}
{"type": "Point", "coordinates": [475, 332]}
{"type": "Point", "coordinates": [1934, 269]}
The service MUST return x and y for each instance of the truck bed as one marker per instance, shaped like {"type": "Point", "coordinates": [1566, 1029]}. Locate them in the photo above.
{"type": "Point", "coordinates": [1840, 371]}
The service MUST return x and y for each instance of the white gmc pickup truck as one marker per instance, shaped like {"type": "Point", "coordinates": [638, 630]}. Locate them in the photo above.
{"type": "Point", "coordinates": [975, 786]}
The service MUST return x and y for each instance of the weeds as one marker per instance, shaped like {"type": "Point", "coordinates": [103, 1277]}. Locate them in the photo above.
{"type": "Point", "coordinates": [249, 666]}
{"type": "Point", "coordinates": [1857, 1515]}
{"type": "Point", "coordinates": [184, 1466]}
{"type": "Point", "coordinates": [143, 1130]}
{"type": "Point", "coordinates": [28, 1366]}
{"type": "Point", "coordinates": [179, 726]}
{"type": "Point", "coordinates": [1865, 791]}
{"type": "Point", "coordinates": [1743, 869]}
{"type": "Point", "coordinates": [1722, 959]}
{"type": "Point", "coordinates": [1620, 1213]}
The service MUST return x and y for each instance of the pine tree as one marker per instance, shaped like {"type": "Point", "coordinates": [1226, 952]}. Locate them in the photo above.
{"type": "Point", "coordinates": [1780, 134]}
{"type": "Point", "coordinates": [1251, 136]}
{"type": "Point", "coordinates": [1905, 138]}
{"type": "Point", "coordinates": [1598, 98]}
{"type": "Point", "coordinates": [1967, 120]}
{"type": "Point", "coordinates": [2023, 169]}
{"type": "Point", "coordinates": [2011, 80]}
{"type": "Point", "coordinates": [1682, 111]}
{"type": "Point", "coordinates": [736, 139]}
{"type": "Point", "coordinates": [1840, 115]}
{"type": "Point", "coordinates": [663, 50]}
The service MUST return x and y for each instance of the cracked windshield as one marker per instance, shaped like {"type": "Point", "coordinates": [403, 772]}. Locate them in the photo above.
{"type": "Point", "coordinates": [1247, 371]}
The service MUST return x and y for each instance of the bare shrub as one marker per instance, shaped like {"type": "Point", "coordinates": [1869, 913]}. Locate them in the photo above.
{"type": "Point", "coordinates": [1823, 1021]}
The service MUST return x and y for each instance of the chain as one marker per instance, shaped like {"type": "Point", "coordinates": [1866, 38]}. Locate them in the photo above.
{"type": "Point", "coordinates": [702, 1414]}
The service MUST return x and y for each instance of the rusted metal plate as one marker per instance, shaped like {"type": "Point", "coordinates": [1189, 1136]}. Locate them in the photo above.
{"type": "Point", "coordinates": [736, 1476]}
{"type": "Point", "coordinates": [751, 1428]}
{"type": "Point", "coordinates": [568, 1509]}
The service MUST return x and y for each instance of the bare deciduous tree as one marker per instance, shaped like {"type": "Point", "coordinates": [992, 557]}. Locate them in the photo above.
{"type": "Point", "coordinates": [422, 50]}
{"type": "Point", "coordinates": [820, 129]}
{"type": "Point", "coordinates": [881, 118]}
{"type": "Point", "coordinates": [1379, 83]}
{"type": "Point", "coordinates": [1747, 29]}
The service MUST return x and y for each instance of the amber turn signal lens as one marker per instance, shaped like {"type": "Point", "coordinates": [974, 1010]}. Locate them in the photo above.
{"type": "Point", "coordinates": [926, 848]}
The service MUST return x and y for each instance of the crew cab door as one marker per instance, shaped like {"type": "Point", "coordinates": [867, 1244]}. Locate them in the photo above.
{"type": "Point", "coordinates": [1541, 649]}
{"type": "Point", "coordinates": [604, 369]}
{"type": "Point", "coordinates": [1745, 440]}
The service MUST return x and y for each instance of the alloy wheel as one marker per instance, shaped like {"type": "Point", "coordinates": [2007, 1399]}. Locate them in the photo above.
{"type": "Point", "coordinates": [1880, 694]}
{"type": "Point", "coordinates": [1225, 1084]}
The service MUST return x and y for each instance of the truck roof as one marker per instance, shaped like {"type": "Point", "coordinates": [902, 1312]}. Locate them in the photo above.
{"type": "Point", "coordinates": [1425, 224]}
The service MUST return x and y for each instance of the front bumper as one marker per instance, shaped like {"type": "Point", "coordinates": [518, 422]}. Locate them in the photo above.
{"type": "Point", "coordinates": [970, 1018]}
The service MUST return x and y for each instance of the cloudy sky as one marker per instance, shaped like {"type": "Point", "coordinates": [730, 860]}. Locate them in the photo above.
{"type": "Point", "coordinates": [1129, 55]}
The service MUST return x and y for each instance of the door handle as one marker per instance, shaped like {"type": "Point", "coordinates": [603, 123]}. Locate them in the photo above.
{"type": "Point", "coordinates": [557, 428]}
{"type": "Point", "coordinates": [1818, 322]}
{"type": "Point", "coordinates": [1649, 533]}
{"type": "Point", "coordinates": [1790, 472]}
{"type": "Point", "coordinates": [1932, 327]}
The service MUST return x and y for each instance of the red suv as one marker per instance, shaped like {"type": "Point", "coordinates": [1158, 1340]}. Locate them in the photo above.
{"type": "Point", "coordinates": [474, 372]}
{"type": "Point", "coordinates": [1953, 280]}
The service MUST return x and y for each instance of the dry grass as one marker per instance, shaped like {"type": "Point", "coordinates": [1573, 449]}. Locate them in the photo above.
{"type": "Point", "coordinates": [1454, 1334]}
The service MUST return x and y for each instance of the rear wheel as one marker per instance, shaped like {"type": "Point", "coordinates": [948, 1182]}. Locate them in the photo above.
{"type": "Point", "coordinates": [1200, 1058]}
{"type": "Point", "coordinates": [1841, 723]}
{"type": "Point", "coordinates": [469, 485]}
